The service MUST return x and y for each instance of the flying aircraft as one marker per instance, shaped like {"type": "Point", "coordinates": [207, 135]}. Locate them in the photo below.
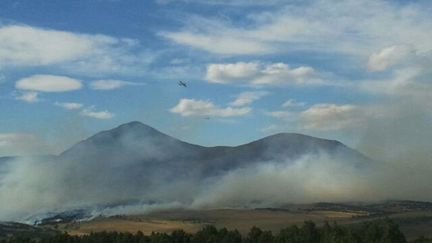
{"type": "Point", "coordinates": [181, 83]}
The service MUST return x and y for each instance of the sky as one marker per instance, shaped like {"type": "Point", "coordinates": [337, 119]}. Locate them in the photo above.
{"type": "Point", "coordinates": [355, 71]}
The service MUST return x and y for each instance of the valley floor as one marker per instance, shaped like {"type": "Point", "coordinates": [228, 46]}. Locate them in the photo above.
{"type": "Point", "coordinates": [413, 221]}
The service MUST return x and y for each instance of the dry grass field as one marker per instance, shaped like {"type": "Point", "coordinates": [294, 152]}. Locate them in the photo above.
{"type": "Point", "coordinates": [414, 221]}
{"type": "Point", "coordinates": [191, 221]}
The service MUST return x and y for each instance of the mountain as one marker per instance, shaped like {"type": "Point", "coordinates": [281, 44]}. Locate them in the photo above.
{"type": "Point", "coordinates": [134, 166]}
{"type": "Point", "coordinates": [137, 144]}
{"type": "Point", "coordinates": [280, 148]}
{"type": "Point", "coordinates": [134, 154]}
{"type": "Point", "coordinates": [131, 137]}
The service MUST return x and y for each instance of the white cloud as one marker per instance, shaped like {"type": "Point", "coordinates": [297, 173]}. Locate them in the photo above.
{"type": "Point", "coordinates": [286, 115]}
{"type": "Point", "coordinates": [192, 107]}
{"type": "Point", "coordinates": [247, 98]}
{"type": "Point", "coordinates": [219, 44]}
{"type": "Point", "coordinates": [331, 116]}
{"type": "Point", "coordinates": [69, 105]}
{"type": "Point", "coordinates": [292, 103]}
{"type": "Point", "coordinates": [232, 72]}
{"type": "Point", "coordinates": [25, 45]}
{"type": "Point", "coordinates": [258, 74]}
{"type": "Point", "coordinates": [347, 27]}
{"type": "Point", "coordinates": [110, 84]}
{"type": "Point", "coordinates": [324, 117]}
{"type": "Point", "coordinates": [389, 56]}
{"type": "Point", "coordinates": [117, 61]}
{"type": "Point", "coordinates": [85, 111]}
{"type": "Point", "coordinates": [90, 112]}
{"type": "Point", "coordinates": [92, 54]}
{"type": "Point", "coordinates": [401, 82]}
{"type": "Point", "coordinates": [48, 83]}
{"type": "Point", "coordinates": [409, 76]}
{"type": "Point", "coordinates": [29, 97]}
{"type": "Point", "coordinates": [29, 46]}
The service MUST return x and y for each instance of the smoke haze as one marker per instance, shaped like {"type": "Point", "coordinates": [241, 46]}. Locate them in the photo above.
{"type": "Point", "coordinates": [143, 175]}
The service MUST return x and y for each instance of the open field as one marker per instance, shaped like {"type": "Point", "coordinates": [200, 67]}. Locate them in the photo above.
{"type": "Point", "coordinates": [192, 221]}
{"type": "Point", "coordinates": [414, 220]}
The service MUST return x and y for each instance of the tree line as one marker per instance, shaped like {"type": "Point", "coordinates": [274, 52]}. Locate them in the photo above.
{"type": "Point", "coordinates": [381, 231]}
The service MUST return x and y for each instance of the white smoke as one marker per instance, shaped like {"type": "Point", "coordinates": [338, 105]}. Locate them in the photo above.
{"type": "Point", "coordinates": [312, 178]}
{"type": "Point", "coordinates": [36, 187]}
{"type": "Point", "coordinates": [33, 187]}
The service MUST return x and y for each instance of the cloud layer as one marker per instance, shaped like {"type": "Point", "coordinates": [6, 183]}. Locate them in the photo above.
{"type": "Point", "coordinates": [373, 25]}
{"type": "Point", "coordinates": [91, 112]}
{"type": "Point", "coordinates": [69, 105]}
{"type": "Point", "coordinates": [248, 97]}
{"type": "Point", "coordinates": [29, 97]}
{"type": "Point", "coordinates": [203, 108]}
{"type": "Point", "coordinates": [331, 117]}
{"type": "Point", "coordinates": [25, 45]}
{"type": "Point", "coordinates": [258, 74]}
{"type": "Point", "coordinates": [91, 54]}
{"type": "Point", "coordinates": [110, 84]}
{"type": "Point", "coordinates": [48, 83]}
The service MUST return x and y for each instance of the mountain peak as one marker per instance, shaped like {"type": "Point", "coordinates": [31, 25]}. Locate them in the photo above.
{"type": "Point", "coordinates": [125, 136]}
{"type": "Point", "coordinates": [297, 139]}
{"type": "Point", "coordinates": [115, 137]}
{"type": "Point", "coordinates": [133, 124]}
{"type": "Point", "coordinates": [134, 127]}
{"type": "Point", "coordinates": [285, 135]}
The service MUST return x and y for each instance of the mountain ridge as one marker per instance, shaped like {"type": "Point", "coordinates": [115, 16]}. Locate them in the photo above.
{"type": "Point", "coordinates": [137, 124]}
{"type": "Point", "coordinates": [135, 141]}
{"type": "Point", "coordinates": [134, 164]}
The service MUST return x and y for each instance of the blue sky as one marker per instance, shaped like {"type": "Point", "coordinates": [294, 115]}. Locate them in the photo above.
{"type": "Point", "coordinates": [333, 69]}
